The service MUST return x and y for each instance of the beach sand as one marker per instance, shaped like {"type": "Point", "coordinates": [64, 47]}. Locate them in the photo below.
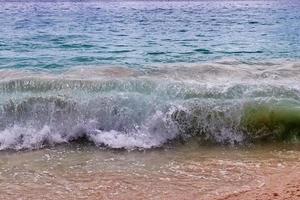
{"type": "Point", "coordinates": [280, 186]}
{"type": "Point", "coordinates": [186, 172]}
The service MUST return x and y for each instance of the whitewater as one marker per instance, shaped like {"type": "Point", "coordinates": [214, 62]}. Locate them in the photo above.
{"type": "Point", "coordinates": [225, 102]}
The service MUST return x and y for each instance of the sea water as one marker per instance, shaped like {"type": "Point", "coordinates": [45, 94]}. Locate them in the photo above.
{"type": "Point", "coordinates": [140, 74]}
{"type": "Point", "coordinates": [60, 35]}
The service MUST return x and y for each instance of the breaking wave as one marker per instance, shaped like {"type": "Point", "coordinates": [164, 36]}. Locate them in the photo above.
{"type": "Point", "coordinates": [226, 102]}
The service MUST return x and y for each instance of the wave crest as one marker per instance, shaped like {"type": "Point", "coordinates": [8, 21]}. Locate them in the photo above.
{"type": "Point", "coordinates": [124, 108]}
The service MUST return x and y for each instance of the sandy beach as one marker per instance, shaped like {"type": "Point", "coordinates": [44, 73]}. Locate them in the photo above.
{"type": "Point", "coordinates": [280, 186]}
{"type": "Point", "coordinates": [186, 172]}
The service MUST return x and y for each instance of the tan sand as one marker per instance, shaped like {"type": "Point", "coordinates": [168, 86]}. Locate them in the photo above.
{"type": "Point", "coordinates": [281, 186]}
{"type": "Point", "coordinates": [187, 172]}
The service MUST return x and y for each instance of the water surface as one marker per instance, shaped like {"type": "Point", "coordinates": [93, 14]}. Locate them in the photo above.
{"type": "Point", "coordinates": [52, 35]}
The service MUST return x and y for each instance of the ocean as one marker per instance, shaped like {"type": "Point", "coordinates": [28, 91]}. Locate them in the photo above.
{"type": "Point", "coordinates": [188, 92]}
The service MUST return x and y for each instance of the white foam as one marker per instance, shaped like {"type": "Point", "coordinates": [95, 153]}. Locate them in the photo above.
{"type": "Point", "coordinates": [17, 137]}
{"type": "Point", "coordinates": [156, 130]}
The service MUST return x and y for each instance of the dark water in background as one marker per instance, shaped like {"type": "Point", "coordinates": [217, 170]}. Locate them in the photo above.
{"type": "Point", "coordinates": [138, 34]}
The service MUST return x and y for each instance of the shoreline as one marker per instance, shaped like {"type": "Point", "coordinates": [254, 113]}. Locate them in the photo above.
{"type": "Point", "coordinates": [184, 172]}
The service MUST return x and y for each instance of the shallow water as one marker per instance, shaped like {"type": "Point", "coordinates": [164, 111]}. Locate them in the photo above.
{"type": "Point", "coordinates": [184, 172]}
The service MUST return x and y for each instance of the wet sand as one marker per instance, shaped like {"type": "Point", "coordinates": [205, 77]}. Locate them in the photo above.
{"type": "Point", "coordinates": [82, 171]}
{"type": "Point", "coordinates": [281, 186]}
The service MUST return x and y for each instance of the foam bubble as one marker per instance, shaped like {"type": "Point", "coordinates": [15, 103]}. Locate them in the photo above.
{"type": "Point", "coordinates": [17, 137]}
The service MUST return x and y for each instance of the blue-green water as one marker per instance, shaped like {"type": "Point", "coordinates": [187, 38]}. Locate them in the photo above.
{"type": "Point", "coordinates": [142, 74]}
{"type": "Point", "coordinates": [138, 34]}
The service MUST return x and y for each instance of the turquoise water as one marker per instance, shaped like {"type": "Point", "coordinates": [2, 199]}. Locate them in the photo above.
{"type": "Point", "coordinates": [145, 74]}
{"type": "Point", "coordinates": [140, 34]}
